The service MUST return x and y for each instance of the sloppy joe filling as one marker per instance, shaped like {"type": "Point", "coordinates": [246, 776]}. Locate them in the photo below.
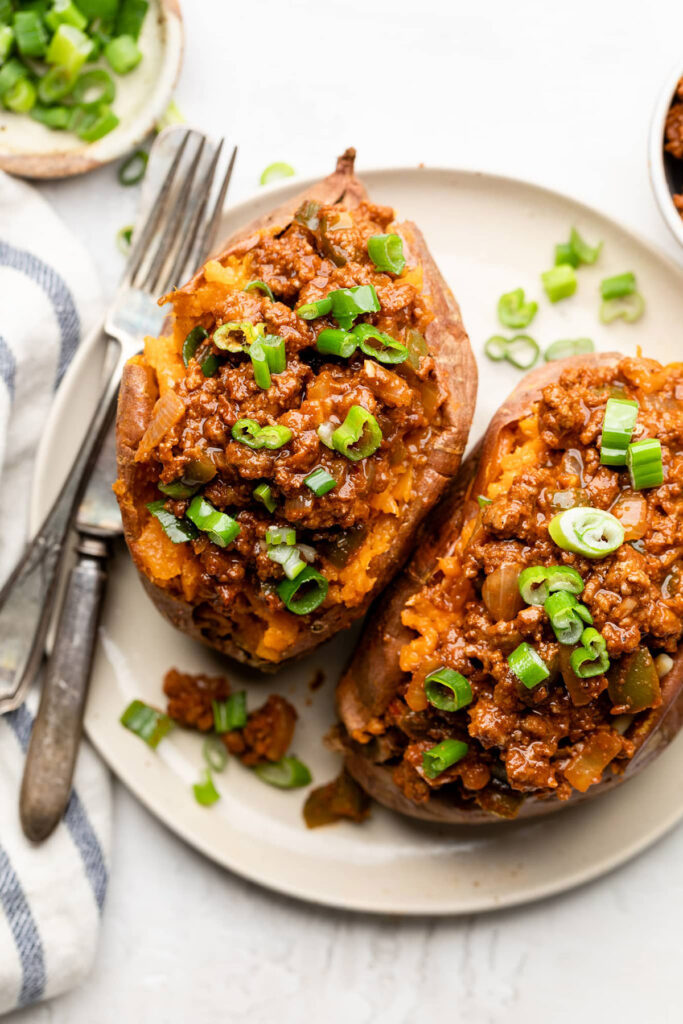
{"type": "Point", "coordinates": [564, 733]}
{"type": "Point", "coordinates": [234, 587]}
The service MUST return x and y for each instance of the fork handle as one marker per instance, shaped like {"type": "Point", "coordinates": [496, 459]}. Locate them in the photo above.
{"type": "Point", "coordinates": [27, 599]}
{"type": "Point", "coordinates": [53, 748]}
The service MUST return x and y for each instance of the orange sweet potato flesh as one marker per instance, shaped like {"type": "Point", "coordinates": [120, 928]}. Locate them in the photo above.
{"type": "Point", "coordinates": [285, 636]}
{"type": "Point", "coordinates": [373, 676]}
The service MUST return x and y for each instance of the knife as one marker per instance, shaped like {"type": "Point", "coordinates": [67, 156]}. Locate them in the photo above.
{"type": "Point", "coordinates": [57, 730]}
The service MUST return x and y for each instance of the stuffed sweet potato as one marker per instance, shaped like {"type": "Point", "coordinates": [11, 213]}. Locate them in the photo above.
{"type": "Point", "coordinates": [529, 655]}
{"type": "Point", "coordinates": [307, 404]}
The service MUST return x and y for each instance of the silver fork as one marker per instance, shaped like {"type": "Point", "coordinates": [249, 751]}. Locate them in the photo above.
{"type": "Point", "coordinates": [178, 230]}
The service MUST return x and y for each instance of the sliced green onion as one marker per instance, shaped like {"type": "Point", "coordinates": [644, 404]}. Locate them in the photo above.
{"type": "Point", "coordinates": [264, 494]}
{"type": "Point", "coordinates": [209, 365]}
{"type": "Point", "coordinates": [280, 535]}
{"type": "Point", "coordinates": [359, 435]}
{"type": "Point", "coordinates": [564, 253]}
{"type": "Point", "coordinates": [215, 754]}
{"type": "Point", "coordinates": [6, 42]}
{"type": "Point", "coordinates": [58, 118]}
{"type": "Point", "coordinates": [146, 722]}
{"type": "Point", "coordinates": [248, 432]}
{"type": "Point", "coordinates": [617, 428]}
{"type": "Point", "coordinates": [192, 342]}
{"type": "Point", "coordinates": [260, 286]}
{"type": "Point", "coordinates": [495, 348]}
{"type": "Point", "coordinates": [567, 616]}
{"type": "Point", "coordinates": [231, 713]}
{"type": "Point", "coordinates": [276, 171]}
{"type": "Point", "coordinates": [105, 9]}
{"type": "Point", "coordinates": [69, 49]}
{"type": "Point", "coordinates": [335, 342]}
{"type": "Point", "coordinates": [97, 124]}
{"type": "Point", "coordinates": [619, 286]}
{"type": "Point", "coordinates": [566, 349]}
{"type": "Point", "coordinates": [386, 350]}
{"type": "Point", "coordinates": [325, 432]}
{"type": "Point", "coordinates": [584, 252]}
{"type": "Point", "coordinates": [178, 489]}
{"type": "Point", "coordinates": [123, 54]}
{"type": "Point", "coordinates": [320, 481]}
{"type": "Point", "coordinates": [30, 34]}
{"type": "Point", "coordinates": [591, 658]}
{"type": "Point", "coordinates": [629, 309]}
{"type": "Point", "coordinates": [304, 594]}
{"type": "Point", "coordinates": [21, 97]}
{"type": "Point", "coordinates": [205, 793]}
{"type": "Point", "coordinates": [386, 252]}
{"type": "Point", "coordinates": [274, 347]}
{"type": "Point", "coordinates": [130, 17]}
{"type": "Point", "coordinates": [521, 351]}
{"type": "Point", "coordinates": [11, 72]}
{"type": "Point", "coordinates": [177, 530]}
{"type": "Point", "coordinates": [219, 527]}
{"type": "Point", "coordinates": [644, 461]}
{"type": "Point", "coordinates": [537, 582]}
{"type": "Point", "coordinates": [64, 12]}
{"type": "Point", "coordinates": [170, 116]}
{"type": "Point", "coordinates": [289, 773]}
{"type": "Point", "coordinates": [313, 310]}
{"type": "Point", "coordinates": [590, 532]}
{"type": "Point", "coordinates": [259, 362]}
{"type": "Point", "coordinates": [349, 303]}
{"type": "Point", "coordinates": [560, 282]}
{"type": "Point", "coordinates": [132, 170]}
{"type": "Point", "coordinates": [224, 340]}
{"type": "Point", "coordinates": [482, 501]}
{"type": "Point", "coordinates": [513, 311]}
{"type": "Point", "coordinates": [289, 558]}
{"type": "Point", "coordinates": [528, 665]}
{"type": "Point", "coordinates": [448, 690]}
{"type": "Point", "coordinates": [101, 84]}
{"type": "Point", "coordinates": [275, 436]}
{"type": "Point", "coordinates": [6, 11]}
{"type": "Point", "coordinates": [54, 85]}
{"type": "Point", "coordinates": [442, 756]}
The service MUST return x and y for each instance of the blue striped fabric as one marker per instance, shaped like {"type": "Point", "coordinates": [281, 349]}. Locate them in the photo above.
{"type": "Point", "coordinates": [8, 366]}
{"type": "Point", "coordinates": [23, 927]}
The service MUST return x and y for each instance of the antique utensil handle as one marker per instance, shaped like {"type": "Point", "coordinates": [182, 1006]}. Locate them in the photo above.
{"type": "Point", "coordinates": [56, 735]}
{"type": "Point", "coordinates": [27, 599]}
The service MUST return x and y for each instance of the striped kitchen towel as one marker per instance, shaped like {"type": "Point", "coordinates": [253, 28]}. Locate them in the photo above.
{"type": "Point", "coordinates": [51, 896]}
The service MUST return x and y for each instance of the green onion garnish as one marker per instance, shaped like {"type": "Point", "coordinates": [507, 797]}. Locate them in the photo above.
{"type": "Point", "coordinates": [259, 362]}
{"type": "Point", "coordinates": [264, 494]}
{"type": "Point", "coordinates": [619, 286]}
{"type": "Point", "coordinates": [483, 501]}
{"type": "Point", "coordinates": [178, 489]}
{"type": "Point", "coordinates": [249, 432]}
{"type": "Point", "coordinates": [567, 616]}
{"type": "Point", "coordinates": [209, 365]}
{"type": "Point", "coordinates": [21, 97]}
{"type": "Point", "coordinates": [192, 342]}
{"type": "Point", "coordinates": [64, 12]}
{"type": "Point", "coordinates": [313, 310]}
{"type": "Point", "coordinates": [260, 286]}
{"type": "Point", "coordinates": [359, 435]}
{"type": "Point", "coordinates": [629, 309]}
{"type": "Point", "coordinates": [560, 282]}
{"type": "Point", "coordinates": [289, 558]}
{"type": "Point", "coordinates": [274, 436]}
{"type": "Point", "coordinates": [205, 793]}
{"type": "Point", "coordinates": [320, 481]}
{"type": "Point", "coordinates": [94, 124]}
{"type": "Point", "coordinates": [69, 48]}
{"type": "Point", "coordinates": [335, 342]}
{"type": "Point", "coordinates": [565, 349]}
{"type": "Point", "coordinates": [280, 535]}
{"type": "Point", "coordinates": [30, 34]}
{"type": "Point", "coordinates": [289, 773]}
{"type": "Point", "coordinates": [521, 351]}
{"type": "Point", "coordinates": [644, 461]}
{"type": "Point", "coordinates": [130, 18]}
{"type": "Point", "coordinates": [386, 252]}
{"type": "Point", "coordinates": [583, 252]}
{"type": "Point", "coordinates": [177, 530]}
{"type": "Point", "coordinates": [564, 253]}
{"type": "Point", "coordinates": [93, 88]}
{"type": "Point", "coordinates": [349, 303]}
{"type": "Point", "coordinates": [123, 54]}
{"type": "Point", "coordinates": [617, 428]}
{"type": "Point", "coordinates": [224, 340]}
{"type": "Point", "coordinates": [590, 532]}
{"type": "Point", "coordinates": [132, 170]}
{"type": "Point", "coordinates": [6, 42]}
{"type": "Point", "coordinates": [146, 722]}
{"type": "Point", "coordinates": [448, 690]}
{"type": "Point", "coordinates": [231, 713]}
{"type": "Point", "coordinates": [124, 236]}
{"type": "Point", "coordinates": [215, 754]}
{"type": "Point", "coordinates": [591, 658]}
{"type": "Point", "coordinates": [170, 116]}
{"type": "Point", "coordinates": [440, 757]}
{"type": "Point", "coordinates": [54, 85]}
{"type": "Point", "coordinates": [385, 348]}
{"type": "Point", "coordinates": [276, 171]}
{"type": "Point", "coordinates": [11, 72]}
{"type": "Point", "coordinates": [528, 665]}
{"type": "Point", "coordinates": [537, 582]}
{"type": "Point", "coordinates": [305, 593]}
{"type": "Point", "coordinates": [219, 527]}
{"type": "Point", "coordinates": [513, 311]}
{"type": "Point", "coordinates": [58, 118]}
{"type": "Point", "coordinates": [274, 347]}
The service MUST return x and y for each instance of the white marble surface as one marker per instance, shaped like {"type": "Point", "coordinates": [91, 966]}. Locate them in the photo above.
{"type": "Point", "coordinates": [560, 94]}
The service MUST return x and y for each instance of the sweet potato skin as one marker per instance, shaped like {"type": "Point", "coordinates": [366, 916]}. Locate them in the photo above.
{"type": "Point", "coordinates": [373, 675]}
{"type": "Point", "coordinates": [457, 377]}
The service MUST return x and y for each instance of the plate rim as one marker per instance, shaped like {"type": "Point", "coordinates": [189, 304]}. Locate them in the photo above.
{"type": "Point", "coordinates": [380, 904]}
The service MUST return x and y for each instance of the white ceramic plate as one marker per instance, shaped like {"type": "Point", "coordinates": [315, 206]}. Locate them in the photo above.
{"type": "Point", "coordinates": [489, 235]}
{"type": "Point", "coordinates": [35, 151]}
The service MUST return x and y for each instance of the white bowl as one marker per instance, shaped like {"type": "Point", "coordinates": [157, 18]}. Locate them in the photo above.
{"type": "Point", "coordinates": [31, 150]}
{"type": "Point", "coordinates": [666, 172]}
